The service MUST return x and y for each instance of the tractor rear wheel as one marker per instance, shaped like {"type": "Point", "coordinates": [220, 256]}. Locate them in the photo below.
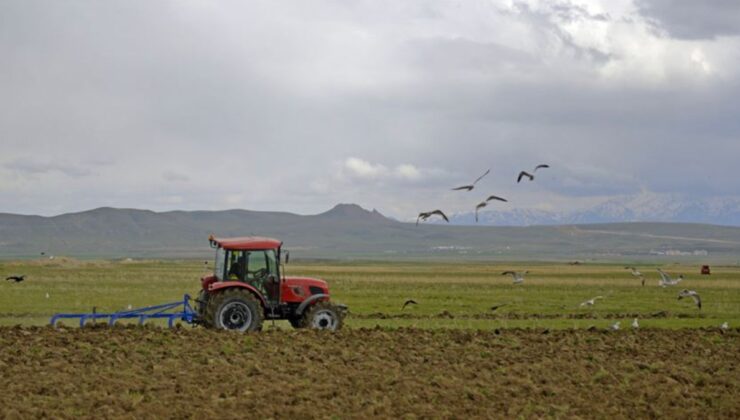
{"type": "Point", "coordinates": [323, 316]}
{"type": "Point", "coordinates": [235, 309]}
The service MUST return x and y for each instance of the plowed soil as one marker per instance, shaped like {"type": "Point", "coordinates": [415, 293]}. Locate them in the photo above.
{"type": "Point", "coordinates": [362, 373]}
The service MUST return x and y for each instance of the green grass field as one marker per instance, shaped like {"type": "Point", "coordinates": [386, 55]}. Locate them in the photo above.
{"type": "Point", "coordinates": [450, 295]}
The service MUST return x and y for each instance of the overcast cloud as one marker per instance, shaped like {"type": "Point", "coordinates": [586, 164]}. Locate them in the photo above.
{"type": "Point", "coordinates": [299, 105]}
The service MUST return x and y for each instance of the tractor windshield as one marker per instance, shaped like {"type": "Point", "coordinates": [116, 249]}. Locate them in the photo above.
{"type": "Point", "coordinates": [220, 266]}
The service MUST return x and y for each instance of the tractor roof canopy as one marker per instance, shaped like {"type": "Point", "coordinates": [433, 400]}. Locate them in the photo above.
{"type": "Point", "coordinates": [247, 243]}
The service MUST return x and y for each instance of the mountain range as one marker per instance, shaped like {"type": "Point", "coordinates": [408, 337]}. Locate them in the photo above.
{"type": "Point", "coordinates": [643, 207]}
{"type": "Point", "coordinates": [349, 231]}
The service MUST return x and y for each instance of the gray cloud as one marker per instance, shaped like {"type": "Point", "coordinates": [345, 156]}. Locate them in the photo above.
{"type": "Point", "coordinates": [694, 19]}
{"type": "Point", "coordinates": [218, 105]}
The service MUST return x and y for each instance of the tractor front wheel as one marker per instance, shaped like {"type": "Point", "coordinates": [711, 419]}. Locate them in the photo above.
{"type": "Point", "coordinates": [323, 316]}
{"type": "Point", "coordinates": [235, 309]}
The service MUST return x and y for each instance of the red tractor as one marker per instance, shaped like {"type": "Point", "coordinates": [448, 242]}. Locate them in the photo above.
{"type": "Point", "coordinates": [248, 286]}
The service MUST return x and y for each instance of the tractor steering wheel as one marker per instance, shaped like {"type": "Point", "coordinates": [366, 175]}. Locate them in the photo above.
{"type": "Point", "coordinates": [258, 274]}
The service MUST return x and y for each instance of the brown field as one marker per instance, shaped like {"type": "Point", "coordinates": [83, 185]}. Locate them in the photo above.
{"type": "Point", "coordinates": [148, 372]}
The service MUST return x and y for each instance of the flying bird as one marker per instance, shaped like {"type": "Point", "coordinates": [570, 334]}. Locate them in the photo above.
{"type": "Point", "coordinates": [517, 275]}
{"type": "Point", "coordinates": [407, 303]}
{"type": "Point", "coordinates": [636, 274]}
{"type": "Point", "coordinates": [471, 186]}
{"type": "Point", "coordinates": [423, 216]}
{"type": "Point", "coordinates": [16, 279]}
{"type": "Point", "coordinates": [666, 280]}
{"type": "Point", "coordinates": [485, 203]}
{"type": "Point", "coordinates": [526, 174]}
{"type": "Point", "coordinates": [592, 301]}
{"type": "Point", "coordinates": [635, 324]}
{"type": "Point", "coordinates": [692, 294]}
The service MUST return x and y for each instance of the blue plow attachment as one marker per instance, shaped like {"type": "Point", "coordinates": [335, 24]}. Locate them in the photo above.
{"type": "Point", "coordinates": [180, 310]}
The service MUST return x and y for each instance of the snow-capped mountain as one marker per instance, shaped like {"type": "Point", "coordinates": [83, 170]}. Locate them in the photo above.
{"type": "Point", "coordinates": [643, 207]}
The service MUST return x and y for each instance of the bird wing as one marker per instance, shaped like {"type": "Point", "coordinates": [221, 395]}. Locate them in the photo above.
{"type": "Point", "coordinates": [481, 177]}
{"type": "Point", "coordinates": [493, 197]}
{"type": "Point", "coordinates": [464, 187]}
{"type": "Point", "coordinates": [541, 167]}
{"type": "Point", "coordinates": [440, 213]}
{"type": "Point", "coordinates": [510, 273]}
{"type": "Point", "coordinates": [697, 300]}
{"type": "Point", "coordinates": [522, 174]}
{"type": "Point", "coordinates": [664, 276]}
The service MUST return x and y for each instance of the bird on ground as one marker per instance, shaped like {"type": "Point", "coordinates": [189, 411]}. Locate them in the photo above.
{"type": "Point", "coordinates": [129, 307]}
{"type": "Point", "coordinates": [725, 326]}
{"type": "Point", "coordinates": [636, 273]}
{"type": "Point", "coordinates": [526, 174]}
{"type": "Point", "coordinates": [692, 294]}
{"type": "Point", "coordinates": [423, 216]}
{"type": "Point", "coordinates": [592, 301]}
{"type": "Point", "coordinates": [471, 186]}
{"type": "Point", "coordinates": [485, 203]}
{"type": "Point", "coordinates": [517, 275]}
{"type": "Point", "coordinates": [16, 279]}
{"type": "Point", "coordinates": [47, 295]}
{"type": "Point", "coordinates": [635, 324]}
{"type": "Point", "coordinates": [407, 303]}
{"type": "Point", "coordinates": [615, 326]}
{"type": "Point", "coordinates": [495, 307]}
{"type": "Point", "coordinates": [666, 280]}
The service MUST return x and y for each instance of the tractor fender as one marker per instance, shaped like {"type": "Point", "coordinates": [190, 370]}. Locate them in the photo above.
{"type": "Point", "coordinates": [302, 307]}
{"type": "Point", "coordinates": [214, 287]}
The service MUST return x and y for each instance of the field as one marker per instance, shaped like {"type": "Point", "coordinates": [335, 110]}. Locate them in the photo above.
{"type": "Point", "coordinates": [539, 355]}
{"type": "Point", "coordinates": [450, 295]}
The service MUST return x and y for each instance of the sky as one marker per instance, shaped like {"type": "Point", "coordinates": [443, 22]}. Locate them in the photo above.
{"type": "Point", "coordinates": [299, 105]}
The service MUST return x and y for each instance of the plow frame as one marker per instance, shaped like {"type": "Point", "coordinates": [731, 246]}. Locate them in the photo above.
{"type": "Point", "coordinates": [185, 313]}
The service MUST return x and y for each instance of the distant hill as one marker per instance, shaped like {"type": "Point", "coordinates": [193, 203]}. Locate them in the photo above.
{"type": "Point", "coordinates": [349, 231]}
{"type": "Point", "coordinates": [642, 207]}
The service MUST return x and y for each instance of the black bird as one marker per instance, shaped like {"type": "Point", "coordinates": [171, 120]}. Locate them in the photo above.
{"type": "Point", "coordinates": [16, 279]}
{"type": "Point", "coordinates": [423, 216]}
{"type": "Point", "coordinates": [485, 203]}
{"type": "Point", "coordinates": [471, 186]}
{"type": "Point", "coordinates": [495, 307]}
{"type": "Point", "coordinates": [407, 303]}
{"type": "Point", "coordinates": [523, 174]}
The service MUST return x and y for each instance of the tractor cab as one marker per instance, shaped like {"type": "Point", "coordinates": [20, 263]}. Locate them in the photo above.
{"type": "Point", "coordinates": [258, 268]}
{"type": "Point", "coordinates": [248, 286]}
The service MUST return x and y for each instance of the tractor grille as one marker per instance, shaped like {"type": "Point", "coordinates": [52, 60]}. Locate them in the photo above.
{"type": "Point", "coordinates": [315, 290]}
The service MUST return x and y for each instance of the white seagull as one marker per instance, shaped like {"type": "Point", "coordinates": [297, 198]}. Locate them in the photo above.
{"type": "Point", "coordinates": [666, 280]}
{"type": "Point", "coordinates": [636, 273]}
{"type": "Point", "coordinates": [635, 324]}
{"type": "Point", "coordinates": [615, 326]}
{"type": "Point", "coordinates": [692, 294]}
{"type": "Point", "coordinates": [725, 326]}
{"type": "Point", "coordinates": [517, 275]}
{"type": "Point", "coordinates": [592, 301]}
